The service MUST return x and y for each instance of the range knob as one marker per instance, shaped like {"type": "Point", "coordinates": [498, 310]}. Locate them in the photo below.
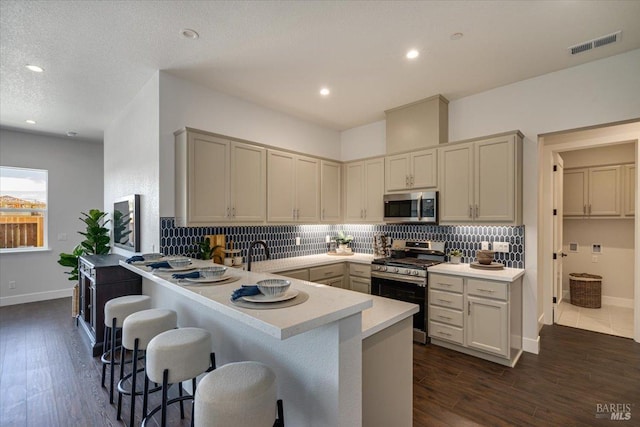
{"type": "Point", "coordinates": [383, 268]}
{"type": "Point", "coordinates": [394, 270]}
{"type": "Point", "coordinates": [414, 273]}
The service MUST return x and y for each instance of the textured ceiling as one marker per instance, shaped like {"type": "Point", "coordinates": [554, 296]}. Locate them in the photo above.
{"type": "Point", "coordinates": [98, 54]}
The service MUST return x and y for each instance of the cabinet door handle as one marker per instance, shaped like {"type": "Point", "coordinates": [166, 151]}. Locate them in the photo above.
{"type": "Point", "coordinates": [322, 214]}
{"type": "Point", "coordinates": [228, 210]}
{"type": "Point", "coordinates": [584, 209]}
{"type": "Point", "coordinates": [361, 213]}
{"type": "Point", "coordinates": [444, 317]}
{"type": "Point", "coordinates": [444, 300]}
{"type": "Point", "coordinates": [469, 308]}
{"type": "Point", "coordinates": [486, 290]}
{"type": "Point", "coordinates": [411, 180]}
{"type": "Point", "coordinates": [233, 212]}
{"type": "Point", "coordinates": [446, 334]}
{"type": "Point", "coordinates": [406, 180]}
{"type": "Point", "coordinates": [365, 213]}
{"type": "Point", "coordinates": [589, 208]}
{"type": "Point", "coordinates": [477, 211]}
{"type": "Point", "coordinates": [470, 211]}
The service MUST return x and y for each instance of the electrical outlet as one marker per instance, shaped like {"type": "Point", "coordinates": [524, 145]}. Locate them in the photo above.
{"type": "Point", "coordinates": [484, 246]}
{"type": "Point", "coordinates": [62, 237]}
{"type": "Point", "coordinates": [594, 258]}
{"type": "Point", "coordinates": [501, 246]}
{"type": "Point", "coordinates": [12, 284]}
{"type": "Point", "coordinates": [297, 241]}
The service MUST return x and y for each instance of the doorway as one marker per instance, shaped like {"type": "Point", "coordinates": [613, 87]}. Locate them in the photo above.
{"type": "Point", "coordinates": [550, 146]}
{"type": "Point", "coordinates": [596, 236]}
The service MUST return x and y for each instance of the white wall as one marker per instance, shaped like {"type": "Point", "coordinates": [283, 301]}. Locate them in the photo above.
{"type": "Point", "coordinates": [364, 141]}
{"type": "Point", "coordinates": [132, 159]}
{"type": "Point", "coordinates": [185, 104]}
{"type": "Point", "coordinates": [594, 93]}
{"type": "Point", "coordinates": [75, 185]}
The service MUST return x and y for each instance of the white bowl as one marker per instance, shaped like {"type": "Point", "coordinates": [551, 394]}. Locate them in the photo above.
{"type": "Point", "coordinates": [212, 272]}
{"type": "Point", "coordinates": [273, 287]}
{"type": "Point", "coordinates": [179, 262]}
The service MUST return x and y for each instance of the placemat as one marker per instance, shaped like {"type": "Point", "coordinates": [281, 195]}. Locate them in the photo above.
{"type": "Point", "coordinates": [184, 282]}
{"type": "Point", "coordinates": [299, 299]}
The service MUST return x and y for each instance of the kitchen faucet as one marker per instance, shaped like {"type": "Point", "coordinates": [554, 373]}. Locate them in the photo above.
{"type": "Point", "coordinates": [250, 252]}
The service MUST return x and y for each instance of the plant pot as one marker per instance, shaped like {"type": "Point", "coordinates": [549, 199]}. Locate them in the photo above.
{"type": "Point", "coordinates": [455, 259]}
{"type": "Point", "coordinates": [342, 248]}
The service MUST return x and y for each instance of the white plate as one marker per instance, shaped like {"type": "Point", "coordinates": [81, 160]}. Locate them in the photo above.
{"type": "Point", "coordinates": [173, 270]}
{"type": "Point", "coordinates": [290, 294]}
{"type": "Point", "coordinates": [208, 279]}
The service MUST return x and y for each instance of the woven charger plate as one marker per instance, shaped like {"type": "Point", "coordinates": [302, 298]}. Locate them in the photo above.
{"type": "Point", "coordinates": [299, 299]}
{"type": "Point", "coordinates": [492, 266]}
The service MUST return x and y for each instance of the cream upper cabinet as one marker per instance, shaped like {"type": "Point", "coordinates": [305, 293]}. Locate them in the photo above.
{"type": "Point", "coordinates": [364, 190]}
{"type": "Point", "coordinates": [248, 182]}
{"type": "Point", "coordinates": [630, 177]}
{"type": "Point", "coordinates": [330, 191]}
{"type": "Point", "coordinates": [575, 194]}
{"type": "Point", "coordinates": [594, 191]}
{"type": "Point", "coordinates": [218, 180]}
{"type": "Point", "coordinates": [411, 171]}
{"type": "Point", "coordinates": [293, 187]}
{"type": "Point", "coordinates": [481, 181]}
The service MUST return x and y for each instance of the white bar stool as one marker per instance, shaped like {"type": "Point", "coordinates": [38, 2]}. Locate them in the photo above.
{"type": "Point", "coordinates": [115, 311]}
{"type": "Point", "coordinates": [241, 394]}
{"type": "Point", "coordinates": [175, 356]}
{"type": "Point", "coordinates": [138, 329]}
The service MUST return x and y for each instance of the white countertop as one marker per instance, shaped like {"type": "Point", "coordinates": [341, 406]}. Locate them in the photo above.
{"type": "Point", "coordinates": [505, 275]}
{"type": "Point", "coordinates": [284, 264]}
{"type": "Point", "coordinates": [325, 304]}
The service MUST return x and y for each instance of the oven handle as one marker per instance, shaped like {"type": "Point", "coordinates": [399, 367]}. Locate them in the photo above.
{"type": "Point", "coordinates": [420, 281]}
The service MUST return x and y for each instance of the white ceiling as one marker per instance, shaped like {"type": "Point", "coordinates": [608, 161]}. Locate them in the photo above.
{"type": "Point", "coordinates": [98, 54]}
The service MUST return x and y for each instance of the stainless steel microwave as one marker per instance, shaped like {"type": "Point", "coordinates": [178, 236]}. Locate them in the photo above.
{"type": "Point", "coordinates": [411, 207]}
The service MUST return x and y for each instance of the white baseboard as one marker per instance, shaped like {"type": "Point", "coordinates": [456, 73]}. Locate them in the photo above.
{"type": "Point", "coordinates": [614, 301]}
{"type": "Point", "coordinates": [38, 296]}
{"type": "Point", "coordinates": [531, 345]}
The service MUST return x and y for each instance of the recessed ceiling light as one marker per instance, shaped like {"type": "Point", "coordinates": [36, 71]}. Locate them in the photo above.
{"type": "Point", "coordinates": [34, 68]}
{"type": "Point", "coordinates": [71, 133]}
{"type": "Point", "coordinates": [188, 33]}
{"type": "Point", "coordinates": [31, 122]}
{"type": "Point", "coordinates": [325, 91]}
{"type": "Point", "coordinates": [456, 36]}
{"type": "Point", "coordinates": [413, 54]}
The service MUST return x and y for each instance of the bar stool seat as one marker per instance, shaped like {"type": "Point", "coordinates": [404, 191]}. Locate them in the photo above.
{"type": "Point", "coordinates": [175, 356]}
{"type": "Point", "coordinates": [241, 394]}
{"type": "Point", "coordinates": [138, 329]}
{"type": "Point", "coordinates": [115, 311]}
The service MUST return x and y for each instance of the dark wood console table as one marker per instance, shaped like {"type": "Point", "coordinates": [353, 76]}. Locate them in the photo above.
{"type": "Point", "coordinates": [101, 279]}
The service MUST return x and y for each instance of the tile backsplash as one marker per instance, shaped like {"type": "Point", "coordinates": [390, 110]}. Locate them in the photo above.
{"type": "Point", "coordinates": [281, 239]}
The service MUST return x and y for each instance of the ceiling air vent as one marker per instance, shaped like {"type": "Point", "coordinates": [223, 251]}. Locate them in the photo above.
{"type": "Point", "coordinates": [592, 44]}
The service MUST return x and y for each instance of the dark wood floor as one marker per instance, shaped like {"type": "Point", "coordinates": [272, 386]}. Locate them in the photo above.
{"type": "Point", "coordinates": [48, 378]}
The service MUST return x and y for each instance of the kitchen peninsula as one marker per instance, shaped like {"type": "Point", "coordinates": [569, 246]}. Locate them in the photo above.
{"type": "Point", "coordinates": [331, 353]}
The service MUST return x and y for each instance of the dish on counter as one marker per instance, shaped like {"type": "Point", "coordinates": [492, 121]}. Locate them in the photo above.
{"type": "Point", "coordinates": [175, 270]}
{"type": "Point", "coordinates": [208, 279]}
{"type": "Point", "coordinates": [290, 294]}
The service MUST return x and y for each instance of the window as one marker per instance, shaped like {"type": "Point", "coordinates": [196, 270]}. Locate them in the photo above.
{"type": "Point", "coordinates": [23, 209]}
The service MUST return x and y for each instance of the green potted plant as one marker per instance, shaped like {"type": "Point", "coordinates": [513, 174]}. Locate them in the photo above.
{"type": "Point", "coordinates": [455, 256]}
{"type": "Point", "coordinates": [205, 250]}
{"type": "Point", "coordinates": [96, 241]}
{"type": "Point", "coordinates": [343, 241]}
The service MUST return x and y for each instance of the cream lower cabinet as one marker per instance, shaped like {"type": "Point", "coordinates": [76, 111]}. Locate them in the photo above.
{"type": "Point", "coordinates": [364, 191]}
{"type": "Point", "coordinates": [218, 180]}
{"type": "Point", "coordinates": [293, 187]}
{"type": "Point", "coordinates": [301, 274]}
{"type": "Point", "coordinates": [332, 275]}
{"type": "Point", "coordinates": [479, 317]}
{"type": "Point", "coordinates": [411, 171]}
{"type": "Point", "coordinates": [481, 181]}
{"type": "Point", "coordinates": [360, 277]}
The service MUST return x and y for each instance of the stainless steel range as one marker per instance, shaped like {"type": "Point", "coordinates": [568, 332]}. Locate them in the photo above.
{"type": "Point", "coordinates": [403, 276]}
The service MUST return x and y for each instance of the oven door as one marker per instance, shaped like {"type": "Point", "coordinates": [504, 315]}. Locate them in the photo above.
{"type": "Point", "coordinates": [409, 289]}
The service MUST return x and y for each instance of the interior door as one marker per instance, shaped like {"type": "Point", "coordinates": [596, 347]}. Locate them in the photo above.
{"type": "Point", "coordinates": [558, 180]}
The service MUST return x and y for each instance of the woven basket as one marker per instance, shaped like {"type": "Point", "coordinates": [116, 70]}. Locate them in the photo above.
{"type": "Point", "coordinates": [585, 290]}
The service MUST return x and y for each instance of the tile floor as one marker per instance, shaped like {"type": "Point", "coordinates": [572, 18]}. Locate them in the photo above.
{"type": "Point", "coordinates": [607, 319]}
